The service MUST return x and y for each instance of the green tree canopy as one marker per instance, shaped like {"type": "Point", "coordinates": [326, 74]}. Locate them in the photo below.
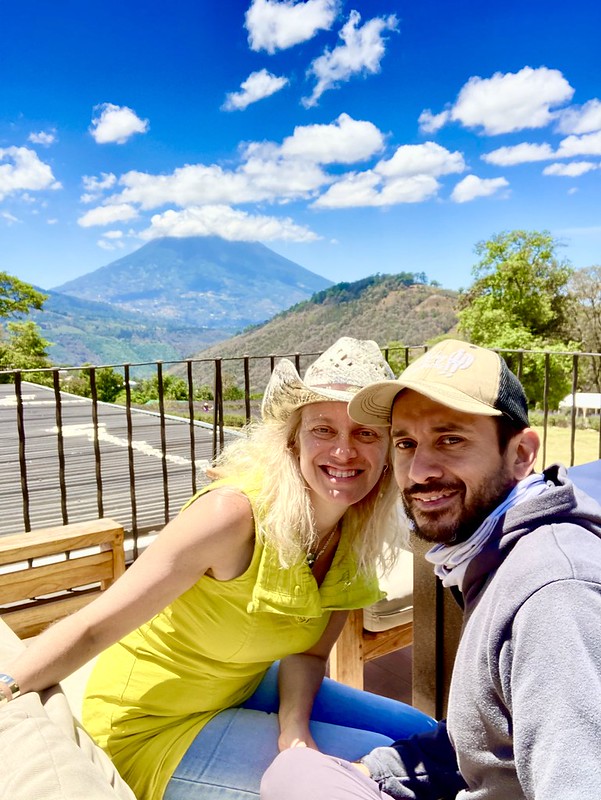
{"type": "Point", "coordinates": [520, 301]}
{"type": "Point", "coordinates": [585, 322]}
{"type": "Point", "coordinates": [519, 281]}
{"type": "Point", "coordinates": [18, 297]}
{"type": "Point", "coordinates": [23, 347]}
{"type": "Point", "coordinates": [21, 343]}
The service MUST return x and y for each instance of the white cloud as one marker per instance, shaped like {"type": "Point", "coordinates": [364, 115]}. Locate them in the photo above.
{"type": "Point", "coordinates": [345, 141]}
{"type": "Point", "coordinates": [430, 123]}
{"type": "Point", "coordinates": [256, 87]}
{"type": "Point", "coordinates": [274, 25]}
{"type": "Point", "coordinates": [110, 245]}
{"type": "Point", "coordinates": [587, 145]}
{"type": "Point", "coordinates": [232, 224]}
{"type": "Point", "coordinates": [506, 102]}
{"type": "Point", "coordinates": [267, 172]}
{"type": "Point", "coordinates": [471, 187]}
{"type": "Point", "coordinates": [106, 215]}
{"type": "Point", "coordinates": [572, 170]}
{"type": "Point", "coordinates": [96, 186]}
{"type": "Point", "coordinates": [279, 173]}
{"type": "Point", "coordinates": [281, 179]}
{"type": "Point", "coordinates": [113, 234]}
{"type": "Point", "coordinates": [368, 189]}
{"type": "Point", "coordinates": [43, 137]}
{"type": "Point", "coordinates": [93, 184]}
{"type": "Point", "coordinates": [9, 218]}
{"type": "Point", "coordinates": [52, 221]}
{"type": "Point", "coordinates": [362, 50]}
{"type": "Point", "coordinates": [21, 169]}
{"type": "Point", "coordinates": [421, 159]}
{"type": "Point", "coordinates": [581, 119]}
{"type": "Point", "coordinates": [116, 124]}
{"type": "Point", "coordinates": [519, 154]}
{"type": "Point", "coordinates": [264, 176]}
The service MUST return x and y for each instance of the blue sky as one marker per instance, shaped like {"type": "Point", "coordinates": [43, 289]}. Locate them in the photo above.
{"type": "Point", "coordinates": [352, 137]}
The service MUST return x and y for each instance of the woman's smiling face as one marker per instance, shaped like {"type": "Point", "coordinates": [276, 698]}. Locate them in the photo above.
{"type": "Point", "coordinates": [340, 460]}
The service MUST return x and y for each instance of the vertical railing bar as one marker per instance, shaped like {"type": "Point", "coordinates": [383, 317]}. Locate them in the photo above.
{"type": "Point", "coordinates": [574, 409]}
{"type": "Point", "coordinates": [218, 437]}
{"type": "Point", "coordinates": [163, 440]}
{"type": "Point", "coordinates": [246, 367]}
{"type": "Point", "coordinates": [599, 450]}
{"type": "Point", "coordinates": [545, 408]}
{"type": "Point", "coordinates": [130, 460]}
{"type": "Point", "coordinates": [191, 421]}
{"type": "Point", "coordinates": [60, 445]}
{"type": "Point", "coordinates": [22, 458]}
{"type": "Point", "coordinates": [97, 458]}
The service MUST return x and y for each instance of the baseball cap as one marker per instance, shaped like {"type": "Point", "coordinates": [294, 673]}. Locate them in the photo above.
{"type": "Point", "coordinates": [456, 374]}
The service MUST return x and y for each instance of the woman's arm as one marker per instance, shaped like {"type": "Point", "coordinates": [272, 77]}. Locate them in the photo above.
{"type": "Point", "coordinates": [300, 677]}
{"type": "Point", "coordinates": [215, 534]}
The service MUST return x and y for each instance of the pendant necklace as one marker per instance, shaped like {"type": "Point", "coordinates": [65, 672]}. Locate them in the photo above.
{"type": "Point", "coordinates": [313, 557]}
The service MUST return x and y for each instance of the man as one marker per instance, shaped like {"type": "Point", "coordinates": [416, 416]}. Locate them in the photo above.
{"type": "Point", "coordinates": [524, 551]}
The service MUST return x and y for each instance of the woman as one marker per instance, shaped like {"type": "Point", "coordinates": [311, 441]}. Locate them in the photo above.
{"type": "Point", "coordinates": [259, 566]}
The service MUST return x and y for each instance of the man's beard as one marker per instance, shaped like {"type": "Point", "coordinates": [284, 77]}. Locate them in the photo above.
{"type": "Point", "coordinates": [430, 526]}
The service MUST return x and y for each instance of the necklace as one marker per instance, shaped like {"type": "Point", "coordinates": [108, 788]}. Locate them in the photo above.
{"type": "Point", "coordinates": [312, 558]}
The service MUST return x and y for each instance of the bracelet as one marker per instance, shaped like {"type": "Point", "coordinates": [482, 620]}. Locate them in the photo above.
{"type": "Point", "coordinates": [9, 688]}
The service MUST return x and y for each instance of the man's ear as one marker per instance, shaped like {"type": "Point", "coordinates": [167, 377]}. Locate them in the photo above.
{"type": "Point", "coordinates": [526, 446]}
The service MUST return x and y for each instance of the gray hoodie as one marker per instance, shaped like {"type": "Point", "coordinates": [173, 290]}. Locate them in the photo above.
{"type": "Point", "coordinates": [524, 717]}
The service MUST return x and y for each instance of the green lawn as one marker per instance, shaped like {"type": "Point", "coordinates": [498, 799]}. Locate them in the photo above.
{"type": "Point", "coordinates": [586, 447]}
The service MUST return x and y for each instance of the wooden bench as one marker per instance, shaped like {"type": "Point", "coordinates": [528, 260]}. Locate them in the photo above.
{"type": "Point", "coordinates": [378, 630]}
{"type": "Point", "coordinates": [49, 573]}
{"type": "Point", "coordinates": [356, 646]}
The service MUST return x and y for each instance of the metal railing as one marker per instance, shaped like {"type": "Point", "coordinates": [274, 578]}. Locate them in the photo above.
{"type": "Point", "coordinates": [64, 457]}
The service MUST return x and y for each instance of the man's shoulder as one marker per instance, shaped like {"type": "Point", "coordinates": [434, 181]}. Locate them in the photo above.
{"type": "Point", "coordinates": [554, 551]}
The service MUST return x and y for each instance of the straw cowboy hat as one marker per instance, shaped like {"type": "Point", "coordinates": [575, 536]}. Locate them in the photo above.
{"type": "Point", "coordinates": [338, 374]}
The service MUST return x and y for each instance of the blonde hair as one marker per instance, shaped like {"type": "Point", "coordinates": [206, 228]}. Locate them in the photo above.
{"type": "Point", "coordinates": [266, 455]}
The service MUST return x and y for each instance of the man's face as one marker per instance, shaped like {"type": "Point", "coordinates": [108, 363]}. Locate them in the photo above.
{"type": "Point", "coordinates": [448, 467]}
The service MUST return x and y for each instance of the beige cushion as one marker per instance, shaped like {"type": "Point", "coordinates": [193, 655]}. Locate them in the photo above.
{"type": "Point", "coordinates": [47, 755]}
{"type": "Point", "coordinates": [397, 607]}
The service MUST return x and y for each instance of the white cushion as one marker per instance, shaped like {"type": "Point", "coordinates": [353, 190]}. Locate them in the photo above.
{"type": "Point", "coordinates": [397, 607]}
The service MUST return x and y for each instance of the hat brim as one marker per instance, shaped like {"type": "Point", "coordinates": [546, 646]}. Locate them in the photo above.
{"type": "Point", "coordinates": [286, 392]}
{"type": "Point", "coordinates": [373, 405]}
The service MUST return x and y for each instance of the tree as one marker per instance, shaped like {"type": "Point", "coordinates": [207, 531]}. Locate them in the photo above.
{"type": "Point", "coordinates": [585, 321]}
{"type": "Point", "coordinates": [18, 297]}
{"type": "Point", "coordinates": [518, 280]}
{"type": "Point", "coordinates": [520, 300]}
{"type": "Point", "coordinates": [21, 343]}
{"type": "Point", "coordinates": [23, 348]}
{"type": "Point", "coordinates": [109, 384]}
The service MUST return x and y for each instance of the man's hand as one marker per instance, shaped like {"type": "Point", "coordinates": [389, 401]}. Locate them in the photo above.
{"type": "Point", "coordinates": [362, 768]}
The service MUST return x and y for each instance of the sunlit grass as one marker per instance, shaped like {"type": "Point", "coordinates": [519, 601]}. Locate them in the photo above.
{"type": "Point", "coordinates": [586, 446]}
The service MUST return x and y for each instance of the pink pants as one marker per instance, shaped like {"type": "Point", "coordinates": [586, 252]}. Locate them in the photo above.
{"type": "Point", "coordinates": [301, 773]}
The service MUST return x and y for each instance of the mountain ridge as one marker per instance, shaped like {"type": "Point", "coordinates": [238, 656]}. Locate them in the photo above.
{"type": "Point", "coordinates": [385, 308]}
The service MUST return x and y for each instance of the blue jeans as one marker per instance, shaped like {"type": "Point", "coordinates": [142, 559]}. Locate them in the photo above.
{"type": "Point", "coordinates": [229, 756]}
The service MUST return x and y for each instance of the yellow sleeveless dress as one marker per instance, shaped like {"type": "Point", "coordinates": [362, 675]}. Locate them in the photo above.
{"type": "Point", "coordinates": [151, 693]}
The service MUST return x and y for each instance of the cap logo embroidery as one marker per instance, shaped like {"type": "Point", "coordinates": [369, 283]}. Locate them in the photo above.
{"type": "Point", "coordinates": [448, 365]}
